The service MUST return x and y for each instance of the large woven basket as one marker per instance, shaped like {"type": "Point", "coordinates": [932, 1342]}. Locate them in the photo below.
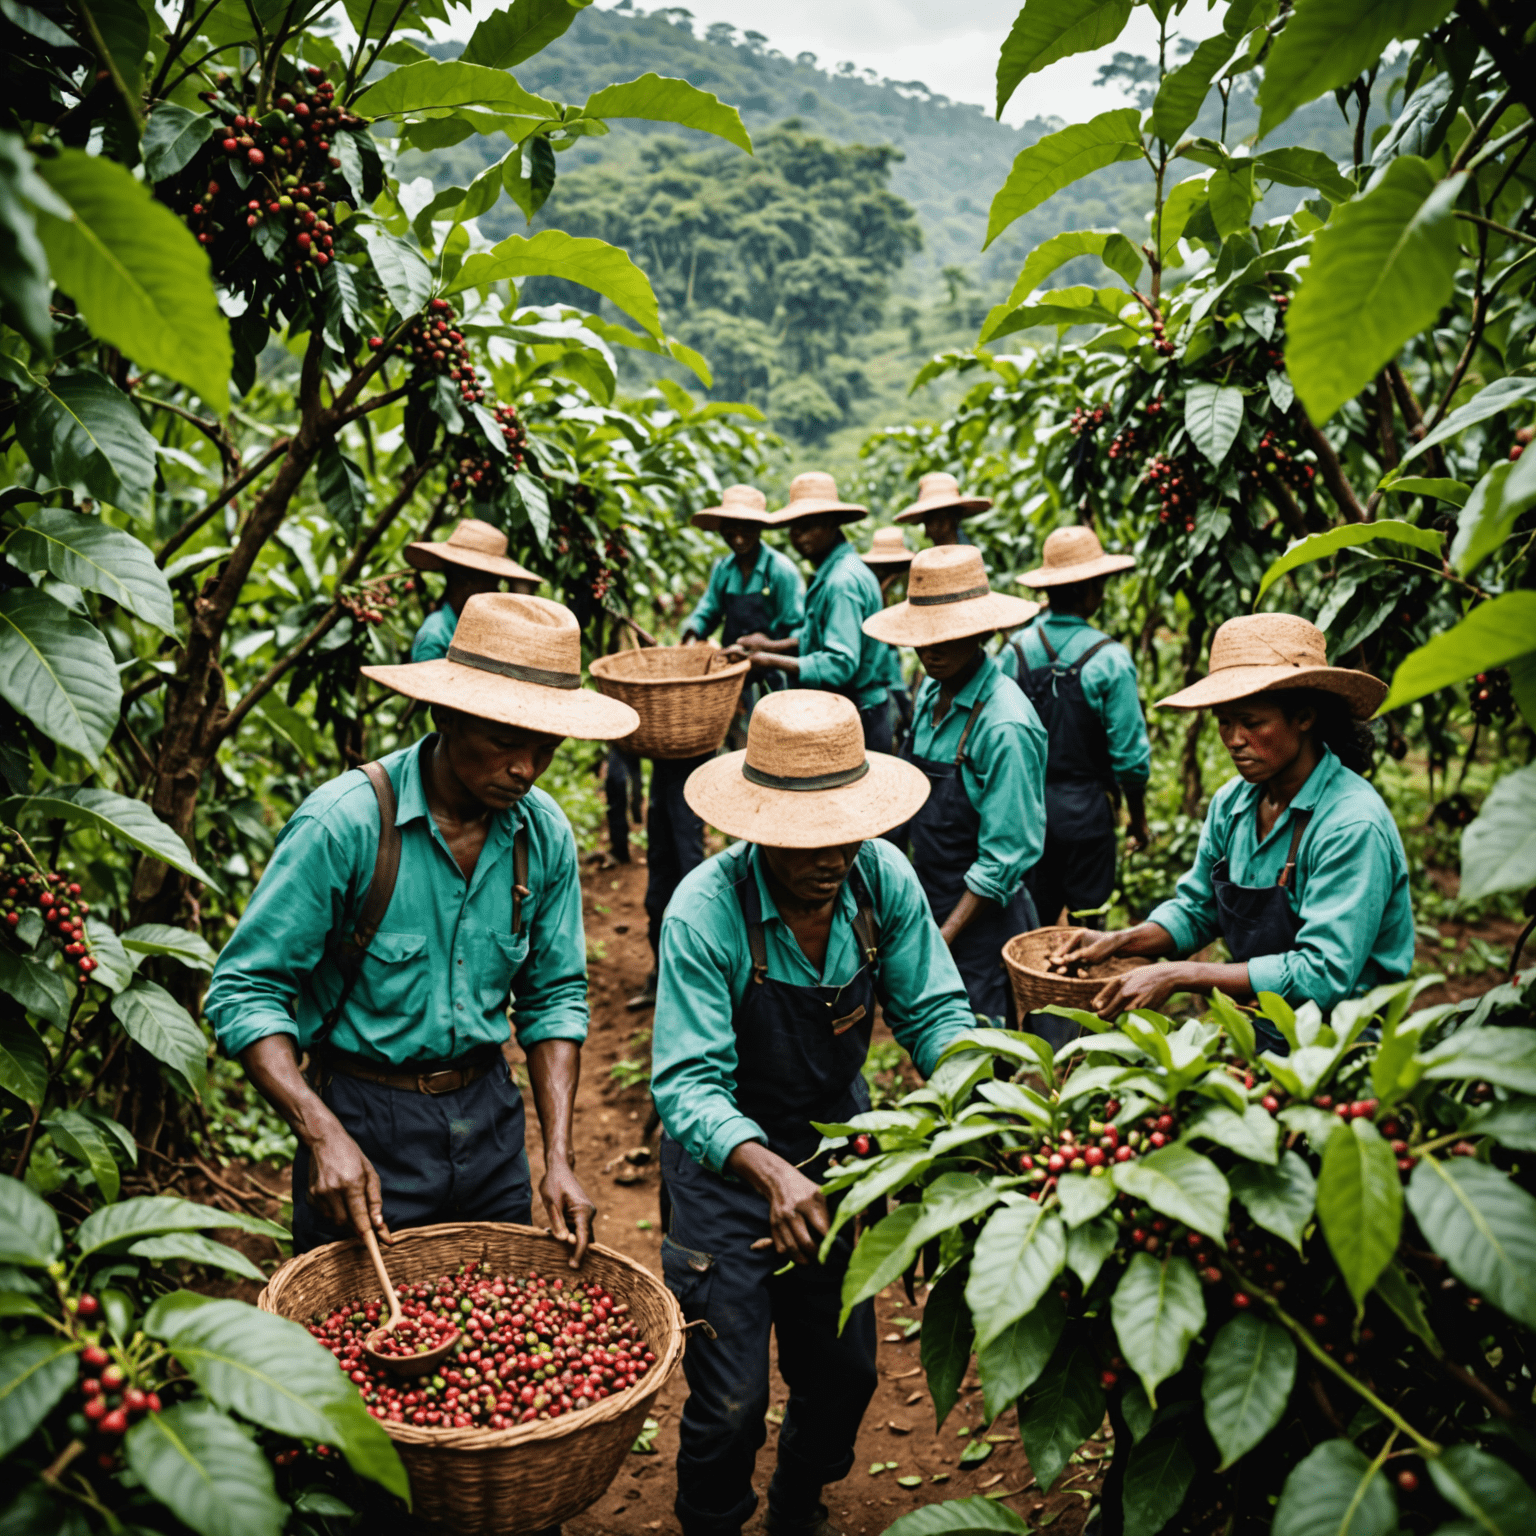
{"type": "Point", "coordinates": [685, 697]}
{"type": "Point", "coordinates": [1034, 986]}
{"type": "Point", "coordinates": [499, 1480]}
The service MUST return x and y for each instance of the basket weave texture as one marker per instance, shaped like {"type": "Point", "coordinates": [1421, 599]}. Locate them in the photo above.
{"type": "Point", "coordinates": [1034, 986]}
{"type": "Point", "coordinates": [685, 698]}
{"type": "Point", "coordinates": [499, 1480]}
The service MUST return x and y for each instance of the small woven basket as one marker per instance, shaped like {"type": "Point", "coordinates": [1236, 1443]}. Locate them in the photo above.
{"type": "Point", "coordinates": [684, 696]}
{"type": "Point", "coordinates": [1034, 986]}
{"type": "Point", "coordinates": [473, 1481]}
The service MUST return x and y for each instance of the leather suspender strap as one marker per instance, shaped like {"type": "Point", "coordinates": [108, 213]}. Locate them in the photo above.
{"type": "Point", "coordinates": [864, 932]}
{"type": "Point", "coordinates": [758, 946]}
{"type": "Point", "coordinates": [965, 735]}
{"type": "Point", "coordinates": [1299, 820]}
{"type": "Point", "coordinates": [1091, 652]}
{"type": "Point", "coordinates": [1050, 652]}
{"type": "Point", "coordinates": [520, 891]}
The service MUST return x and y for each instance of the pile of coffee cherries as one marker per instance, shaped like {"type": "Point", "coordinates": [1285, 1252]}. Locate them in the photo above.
{"type": "Point", "coordinates": [475, 472]}
{"type": "Point", "coordinates": [529, 1349]}
{"type": "Point", "coordinates": [55, 895]}
{"type": "Point", "coordinates": [1093, 1150]}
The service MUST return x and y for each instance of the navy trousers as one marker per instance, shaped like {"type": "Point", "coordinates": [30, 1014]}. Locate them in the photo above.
{"type": "Point", "coordinates": [622, 787]}
{"type": "Point", "coordinates": [674, 837]}
{"type": "Point", "coordinates": [440, 1157]}
{"type": "Point", "coordinates": [710, 1267]}
{"type": "Point", "coordinates": [1075, 873]}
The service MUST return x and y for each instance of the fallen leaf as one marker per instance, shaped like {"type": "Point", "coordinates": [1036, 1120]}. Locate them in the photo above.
{"type": "Point", "coordinates": [898, 1429]}
{"type": "Point", "coordinates": [653, 1525]}
{"type": "Point", "coordinates": [975, 1453]}
{"type": "Point", "coordinates": [992, 1481]}
{"type": "Point", "coordinates": [916, 1370]}
{"type": "Point", "coordinates": [876, 1468]}
{"type": "Point", "coordinates": [891, 1466]}
{"type": "Point", "coordinates": [939, 1477]}
{"type": "Point", "coordinates": [892, 1338]}
{"type": "Point", "coordinates": [775, 1414]}
{"type": "Point", "coordinates": [916, 1397]}
{"type": "Point", "coordinates": [909, 1482]}
{"type": "Point", "coordinates": [1001, 1439]}
{"type": "Point", "coordinates": [1003, 1493]}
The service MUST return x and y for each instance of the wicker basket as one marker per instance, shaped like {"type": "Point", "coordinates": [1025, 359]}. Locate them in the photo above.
{"type": "Point", "coordinates": [1034, 986]}
{"type": "Point", "coordinates": [685, 698]}
{"type": "Point", "coordinates": [500, 1480]}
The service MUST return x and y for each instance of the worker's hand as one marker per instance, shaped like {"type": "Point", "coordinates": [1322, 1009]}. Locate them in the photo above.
{"type": "Point", "coordinates": [1138, 836]}
{"type": "Point", "coordinates": [1148, 986]}
{"type": "Point", "coordinates": [797, 1209]}
{"type": "Point", "coordinates": [1086, 946]}
{"type": "Point", "coordinates": [344, 1186]}
{"type": "Point", "coordinates": [755, 641]}
{"type": "Point", "coordinates": [689, 638]}
{"type": "Point", "coordinates": [569, 1210]}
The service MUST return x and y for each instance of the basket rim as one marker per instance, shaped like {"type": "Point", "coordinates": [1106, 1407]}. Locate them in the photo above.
{"type": "Point", "coordinates": [1012, 961]}
{"type": "Point", "coordinates": [615, 1406]}
{"type": "Point", "coordinates": [598, 670]}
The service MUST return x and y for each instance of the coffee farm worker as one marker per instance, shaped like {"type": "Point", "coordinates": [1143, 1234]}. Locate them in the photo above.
{"type": "Point", "coordinates": [401, 906]}
{"type": "Point", "coordinates": [831, 651]}
{"type": "Point", "coordinates": [474, 558]}
{"type": "Point", "coordinates": [982, 748]}
{"type": "Point", "coordinates": [890, 560]}
{"type": "Point", "coordinates": [940, 508]}
{"type": "Point", "coordinates": [1300, 867]}
{"type": "Point", "coordinates": [1083, 686]}
{"type": "Point", "coordinates": [773, 956]}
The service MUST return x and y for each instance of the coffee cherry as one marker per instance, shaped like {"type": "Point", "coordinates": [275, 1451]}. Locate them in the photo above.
{"type": "Point", "coordinates": [1241, 1300]}
{"type": "Point", "coordinates": [861, 1145]}
{"type": "Point", "coordinates": [87, 1306]}
{"type": "Point", "coordinates": [1408, 1481]}
{"type": "Point", "coordinates": [115, 1423]}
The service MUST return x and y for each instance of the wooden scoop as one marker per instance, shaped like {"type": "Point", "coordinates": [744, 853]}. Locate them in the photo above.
{"type": "Point", "coordinates": [423, 1364]}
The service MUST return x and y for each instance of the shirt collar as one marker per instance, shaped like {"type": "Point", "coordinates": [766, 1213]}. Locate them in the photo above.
{"type": "Point", "coordinates": [759, 571]}
{"type": "Point", "coordinates": [1066, 620]}
{"type": "Point", "coordinates": [411, 799]}
{"type": "Point", "coordinates": [978, 687]}
{"type": "Point", "coordinates": [843, 910]}
{"type": "Point", "coordinates": [841, 551]}
{"type": "Point", "coordinates": [1320, 784]}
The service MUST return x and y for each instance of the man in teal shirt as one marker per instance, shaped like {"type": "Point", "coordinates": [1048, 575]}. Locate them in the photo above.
{"type": "Point", "coordinates": [401, 907]}
{"type": "Point", "coordinates": [890, 560]}
{"type": "Point", "coordinates": [474, 558]}
{"type": "Point", "coordinates": [773, 957]}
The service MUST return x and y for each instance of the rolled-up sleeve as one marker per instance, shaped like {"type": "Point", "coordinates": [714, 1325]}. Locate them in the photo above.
{"type": "Point", "coordinates": [839, 645]}
{"type": "Point", "coordinates": [710, 610]}
{"type": "Point", "coordinates": [1190, 914]}
{"type": "Point", "coordinates": [1005, 780]}
{"type": "Point", "coordinates": [1109, 684]}
{"type": "Point", "coordinates": [549, 989]}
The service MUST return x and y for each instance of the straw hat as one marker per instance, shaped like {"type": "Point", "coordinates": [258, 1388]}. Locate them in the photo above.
{"type": "Point", "coordinates": [940, 493]}
{"type": "Point", "coordinates": [810, 495]}
{"type": "Point", "coordinates": [888, 547]}
{"type": "Point", "coordinates": [738, 503]}
{"type": "Point", "coordinates": [475, 545]}
{"type": "Point", "coordinates": [1074, 554]}
{"type": "Point", "coordinates": [948, 597]}
{"type": "Point", "coordinates": [516, 660]}
{"type": "Point", "coordinates": [805, 780]}
{"type": "Point", "coordinates": [1264, 651]}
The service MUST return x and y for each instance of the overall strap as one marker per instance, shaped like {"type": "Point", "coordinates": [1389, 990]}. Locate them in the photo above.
{"type": "Point", "coordinates": [866, 931]}
{"type": "Point", "coordinates": [1092, 651]}
{"type": "Point", "coordinates": [752, 916]}
{"type": "Point", "coordinates": [520, 891]}
{"type": "Point", "coordinates": [965, 735]}
{"type": "Point", "coordinates": [1299, 820]}
{"type": "Point", "coordinates": [1050, 650]}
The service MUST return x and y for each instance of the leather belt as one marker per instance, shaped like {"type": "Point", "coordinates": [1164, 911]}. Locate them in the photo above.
{"type": "Point", "coordinates": [432, 1077]}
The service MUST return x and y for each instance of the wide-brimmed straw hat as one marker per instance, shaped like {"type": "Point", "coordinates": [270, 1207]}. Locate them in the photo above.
{"type": "Point", "coordinates": [948, 597]}
{"type": "Point", "coordinates": [1074, 554]}
{"type": "Point", "coordinates": [474, 545]}
{"type": "Point", "coordinates": [940, 493]}
{"type": "Point", "coordinates": [810, 495]}
{"type": "Point", "coordinates": [516, 660]}
{"type": "Point", "coordinates": [738, 503]}
{"type": "Point", "coordinates": [888, 547]}
{"type": "Point", "coordinates": [1262, 652]}
{"type": "Point", "coordinates": [805, 780]}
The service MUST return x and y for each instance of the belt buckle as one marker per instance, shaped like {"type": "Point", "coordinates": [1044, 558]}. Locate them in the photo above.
{"type": "Point", "coordinates": [424, 1080]}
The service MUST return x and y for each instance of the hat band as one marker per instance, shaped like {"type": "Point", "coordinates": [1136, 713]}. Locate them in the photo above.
{"type": "Point", "coordinates": [815, 781]}
{"type": "Point", "coordinates": [934, 599]}
{"type": "Point", "coordinates": [513, 670]}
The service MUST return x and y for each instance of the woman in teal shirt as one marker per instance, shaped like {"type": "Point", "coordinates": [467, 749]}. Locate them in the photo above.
{"type": "Point", "coordinates": [1300, 867]}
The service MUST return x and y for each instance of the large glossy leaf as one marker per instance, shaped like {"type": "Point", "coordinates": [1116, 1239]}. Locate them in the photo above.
{"type": "Point", "coordinates": [172, 136]}
{"type": "Point", "coordinates": [165, 1029]}
{"type": "Point", "coordinates": [181, 944]}
{"type": "Point", "coordinates": [1248, 1377]}
{"type": "Point", "coordinates": [945, 1346]}
{"type": "Point", "coordinates": [1080, 305]}
{"type": "Point", "coordinates": [1082, 1198]}
{"type": "Point", "coordinates": [114, 970]}
{"type": "Point", "coordinates": [1020, 1251]}
{"type": "Point", "coordinates": [140, 279]}
{"type": "Point", "coordinates": [1420, 128]}
{"type": "Point", "coordinates": [1157, 1311]}
{"type": "Point", "coordinates": [435, 83]}
{"type": "Point", "coordinates": [1254, 1133]}
{"type": "Point", "coordinates": [58, 671]}
{"type": "Point", "coordinates": [23, 1061]}
{"type": "Point", "coordinates": [1502, 395]}
{"type": "Point", "coordinates": [516, 32]}
{"type": "Point", "coordinates": [1382, 268]}
{"type": "Point", "coordinates": [29, 1231]}
{"type": "Point", "coordinates": [1182, 91]}
{"type": "Point", "coordinates": [1088, 1246]}
{"type": "Point", "coordinates": [660, 99]}
{"type": "Point", "coordinates": [1400, 1291]}
{"type": "Point", "coordinates": [1484, 1226]}
{"type": "Point", "coordinates": [96, 557]}
{"type": "Point", "coordinates": [883, 1255]}
{"type": "Point", "coordinates": [148, 1215]}
{"type": "Point", "coordinates": [1498, 851]}
{"type": "Point", "coordinates": [207, 1471]}
{"type": "Point", "coordinates": [1492, 635]}
{"type": "Point", "coordinates": [1511, 1123]}
{"type": "Point", "coordinates": [1335, 1491]}
{"type": "Point", "coordinates": [84, 1141]}
{"type": "Point", "coordinates": [400, 269]}
{"type": "Point", "coordinates": [1320, 546]}
{"type": "Point", "coordinates": [956, 1517]}
{"type": "Point", "coordinates": [892, 1173]}
{"type": "Point", "coordinates": [1504, 495]}
{"type": "Point", "coordinates": [1112, 248]}
{"type": "Point", "coordinates": [1504, 1057]}
{"type": "Point", "coordinates": [1213, 416]}
{"type": "Point", "coordinates": [1179, 1183]}
{"type": "Point", "coordinates": [124, 28]}
{"type": "Point", "coordinates": [1011, 1364]}
{"type": "Point", "coordinates": [343, 488]}
{"type": "Point", "coordinates": [1488, 1491]}
{"type": "Point", "coordinates": [1294, 166]}
{"type": "Point", "coordinates": [1061, 158]}
{"type": "Point", "coordinates": [24, 285]}
{"type": "Point", "coordinates": [197, 1249]}
{"type": "Point", "coordinates": [34, 1374]}
{"type": "Point", "coordinates": [1360, 1204]}
{"type": "Point", "coordinates": [1157, 1476]}
{"type": "Point", "coordinates": [81, 430]}
{"type": "Point", "coordinates": [1047, 30]}
{"type": "Point", "coordinates": [1063, 1408]}
{"type": "Point", "coordinates": [38, 989]}
{"type": "Point", "coordinates": [1279, 1199]}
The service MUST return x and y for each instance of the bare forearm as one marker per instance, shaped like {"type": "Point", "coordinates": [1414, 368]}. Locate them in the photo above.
{"type": "Point", "coordinates": [1149, 940]}
{"type": "Point", "coordinates": [554, 1070]}
{"type": "Point", "coordinates": [1194, 977]}
{"type": "Point", "coordinates": [966, 911]}
{"type": "Point", "coordinates": [273, 1069]}
{"type": "Point", "coordinates": [756, 1167]}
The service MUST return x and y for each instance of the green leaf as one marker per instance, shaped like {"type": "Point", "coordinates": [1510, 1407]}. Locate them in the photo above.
{"type": "Point", "coordinates": [954, 1517]}
{"type": "Point", "coordinates": [1360, 1204]}
{"type": "Point", "coordinates": [1319, 546]}
{"type": "Point", "coordinates": [114, 970]}
{"type": "Point", "coordinates": [172, 137]}
{"type": "Point", "coordinates": [78, 1138]}
{"type": "Point", "coordinates": [207, 1471]}
{"type": "Point", "coordinates": [1248, 1377]}
{"type": "Point", "coordinates": [25, 287]}
{"type": "Point", "coordinates": [1294, 166]}
{"type": "Point", "coordinates": [1382, 269]}
{"type": "Point", "coordinates": [1511, 1124]}
{"type": "Point", "coordinates": [96, 557]}
{"type": "Point", "coordinates": [81, 430]}
{"type": "Point", "coordinates": [1061, 158]}
{"type": "Point", "coordinates": [1236, 1024]}
{"type": "Point", "coordinates": [23, 1061]}
{"type": "Point", "coordinates": [1157, 1476]}
{"type": "Point", "coordinates": [892, 1172]}
{"type": "Point", "coordinates": [1183, 90]}
{"type": "Point", "coordinates": [882, 1255]}
{"type": "Point", "coordinates": [124, 28]}
{"type": "Point", "coordinates": [1420, 128]}
{"type": "Point", "coordinates": [1157, 1311]}
{"type": "Point", "coordinates": [1062, 1409]}
{"type": "Point", "coordinates": [1486, 1490]}
{"type": "Point", "coordinates": [140, 279]}
{"type": "Point", "coordinates": [945, 1345]}
{"type": "Point", "coordinates": [1213, 416]}
{"type": "Point", "coordinates": [1335, 1491]}
{"type": "Point", "coordinates": [1018, 1253]}
{"type": "Point", "coordinates": [434, 84]}
{"type": "Point", "coordinates": [34, 1374]}
{"type": "Point", "coordinates": [660, 99]}
{"type": "Point", "coordinates": [1230, 196]}
{"type": "Point", "coordinates": [343, 488]}
{"type": "Point", "coordinates": [1483, 1226]}
{"type": "Point", "coordinates": [1083, 1198]}
{"type": "Point", "coordinates": [197, 1249]}
{"type": "Point", "coordinates": [1325, 45]}
{"type": "Point", "coordinates": [1400, 1291]}
{"type": "Point", "coordinates": [1502, 395]}
{"type": "Point", "coordinates": [1492, 635]}
{"type": "Point", "coordinates": [1179, 1183]}
{"type": "Point", "coordinates": [114, 816]}
{"type": "Point", "coordinates": [58, 671]}
{"type": "Point", "coordinates": [191, 949]}
{"type": "Point", "coordinates": [1497, 502]}
{"type": "Point", "coordinates": [38, 989]}
{"type": "Point", "coordinates": [1253, 1134]}
{"type": "Point", "coordinates": [153, 1018]}
{"type": "Point", "coordinates": [1048, 30]}
{"type": "Point", "coordinates": [516, 32]}
{"type": "Point", "coordinates": [29, 1231]}
{"type": "Point", "coordinates": [1088, 1246]}
{"type": "Point", "coordinates": [147, 1216]}
{"type": "Point", "coordinates": [1011, 1364]}
{"type": "Point", "coordinates": [1080, 305]}
{"type": "Point", "coordinates": [399, 267]}
{"type": "Point", "coordinates": [1112, 248]}
{"type": "Point", "coordinates": [1504, 1057]}
{"type": "Point", "coordinates": [1454, 491]}
{"type": "Point", "coordinates": [1279, 1199]}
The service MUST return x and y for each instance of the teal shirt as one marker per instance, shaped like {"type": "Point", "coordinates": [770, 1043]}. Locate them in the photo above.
{"type": "Point", "coordinates": [1003, 775]}
{"type": "Point", "coordinates": [435, 981]}
{"type": "Point", "coordinates": [773, 576]}
{"type": "Point", "coordinates": [1109, 686]}
{"type": "Point", "coordinates": [705, 965]}
{"type": "Point", "coordinates": [1349, 888]}
{"type": "Point", "coordinates": [435, 635]}
{"type": "Point", "coordinates": [835, 653]}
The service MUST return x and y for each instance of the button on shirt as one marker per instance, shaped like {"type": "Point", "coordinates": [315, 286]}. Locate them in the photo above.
{"type": "Point", "coordinates": [435, 635]}
{"type": "Point", "coordinates": [1109, 686]}
{"type": "Point", "coordinates": [835, 653]}
{"type": "Point", "coordinates": [705, 965]}
{"type": "Point", "coordinates": [1003, 775]}
{"type": "Point", "coordinates": [1349, 889]}
{"type": "Point", "coordinates": [434, 983]}
{"type": "Point", "coordinates": [773, 576]}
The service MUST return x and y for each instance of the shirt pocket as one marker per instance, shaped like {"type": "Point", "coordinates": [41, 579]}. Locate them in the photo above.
{"type": "Point", "coordinates": [394, 980]}
{"type": "Point", "coordinates": [496, 957]}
